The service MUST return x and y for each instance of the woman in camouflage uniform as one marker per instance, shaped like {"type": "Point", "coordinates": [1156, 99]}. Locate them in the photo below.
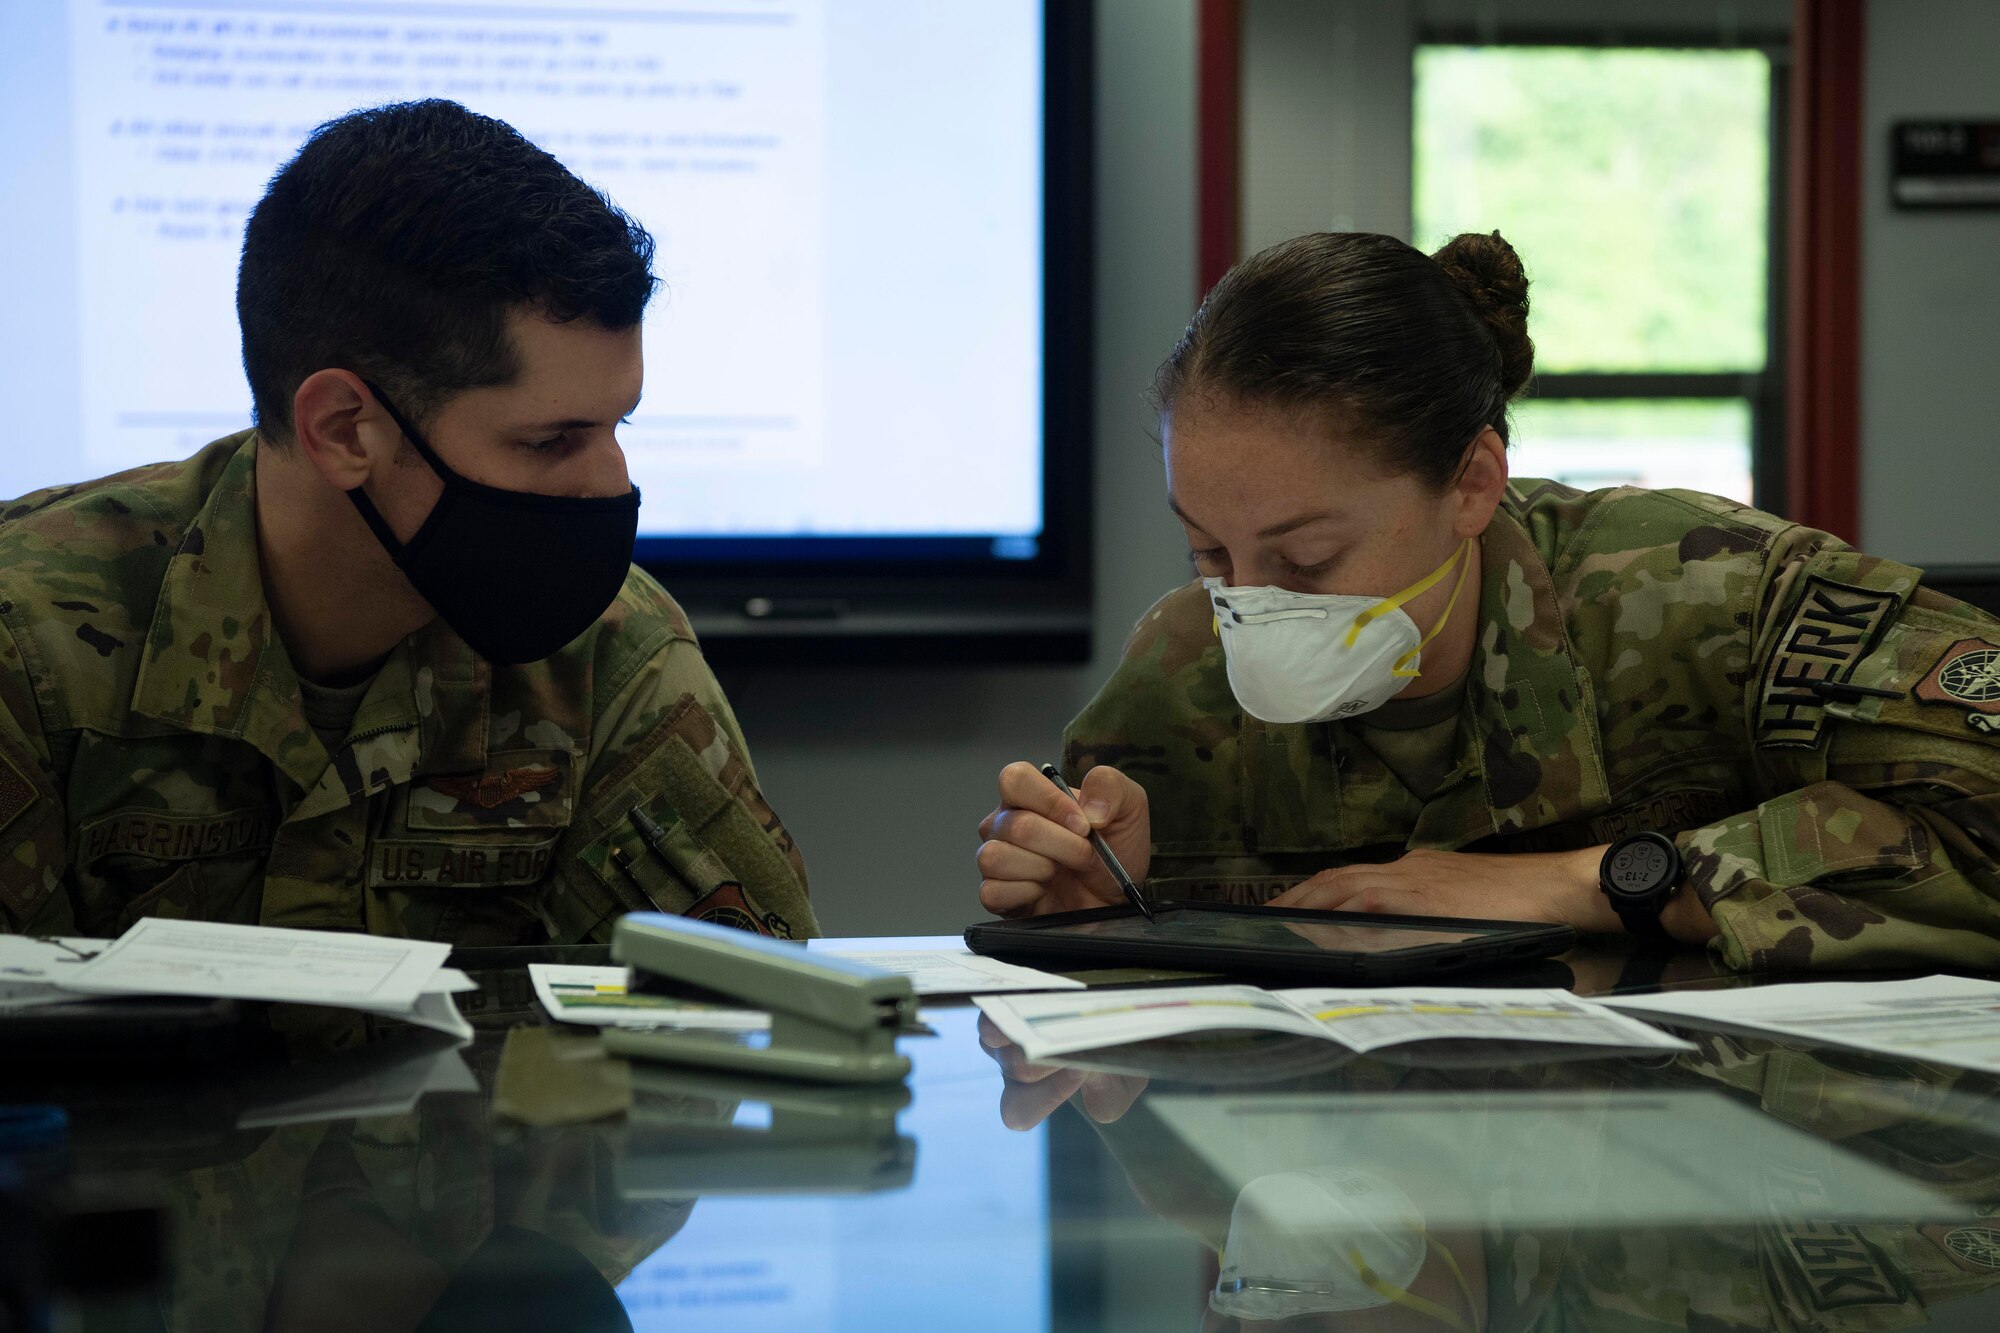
{"type": "Point", "coordinates": [1323, 720]}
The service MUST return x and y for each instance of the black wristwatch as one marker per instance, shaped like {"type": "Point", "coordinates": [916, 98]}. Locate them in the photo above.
{"type": "Point", "coordinates": [1639, 875]}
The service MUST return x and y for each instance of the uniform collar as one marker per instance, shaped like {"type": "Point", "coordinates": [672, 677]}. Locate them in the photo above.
{"type": "Point", "coordinates": [215, 665]}
{"type": "Point", "coordinates": [1532, 755]}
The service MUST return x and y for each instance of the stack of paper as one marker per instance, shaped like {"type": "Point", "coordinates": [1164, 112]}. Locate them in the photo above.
{"type": "Point", "coordinates": [1362, 1021]}
{"type": "Point", "coordinates": [602, 997]}
{"type": "Point", "coordinates": [404, 979]}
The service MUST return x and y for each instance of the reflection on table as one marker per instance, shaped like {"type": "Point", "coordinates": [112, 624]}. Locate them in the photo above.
{"type": "Point", "coordinates": [1231, 1181]}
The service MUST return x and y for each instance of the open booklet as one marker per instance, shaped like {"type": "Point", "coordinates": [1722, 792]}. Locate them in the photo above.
{"type": "Point", "coordinates": [403, 979]}
{"type": "Point", "coordinates": [1360, 1020]}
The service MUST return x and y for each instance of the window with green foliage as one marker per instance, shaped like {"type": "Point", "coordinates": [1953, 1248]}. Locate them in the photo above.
{"type": "Point", "coordinates": [1635, 184]}
{"type": "Point", "coordinates": [1696, 443]}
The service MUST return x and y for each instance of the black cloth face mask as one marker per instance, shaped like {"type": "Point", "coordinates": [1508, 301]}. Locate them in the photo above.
{"type": "Point", "coordinates": [518, 575]}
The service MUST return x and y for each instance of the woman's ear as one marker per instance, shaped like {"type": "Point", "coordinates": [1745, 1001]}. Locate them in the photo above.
{"type": "Point", "coordinates": [1481, 484]}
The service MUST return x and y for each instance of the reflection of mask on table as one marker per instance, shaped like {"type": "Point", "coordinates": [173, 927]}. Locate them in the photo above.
{"type": "Point", "coordinates": [1324, 1242]}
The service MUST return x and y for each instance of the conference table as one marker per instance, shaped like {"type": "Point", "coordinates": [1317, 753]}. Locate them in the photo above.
{"type": "Point", "coordinates": [384, 1179]}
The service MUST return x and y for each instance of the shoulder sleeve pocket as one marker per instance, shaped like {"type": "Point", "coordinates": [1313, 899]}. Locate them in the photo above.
{"type": "Point", "coordinates": [1828, 829]}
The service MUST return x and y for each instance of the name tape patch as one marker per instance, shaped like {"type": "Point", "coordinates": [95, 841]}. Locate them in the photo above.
{"type": "Point", "coordinates": [163, 837]}
{"type": "Point", "coordinates": [438, 865]}
{"type": "Point", "coordinates": [1830, 632]}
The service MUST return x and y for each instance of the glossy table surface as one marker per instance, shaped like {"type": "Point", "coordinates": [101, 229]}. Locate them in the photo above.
{"type": "Point", "coordinates": [1232, 1181]}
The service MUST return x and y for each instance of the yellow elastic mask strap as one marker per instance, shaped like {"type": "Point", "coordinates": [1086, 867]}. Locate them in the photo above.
{"type": "Point", "coordinates": [1411, 1301]}
{"type": "Point", "coordinates": [1403, 667]}
{"type": "Point", "coordinates": [1415, 590]}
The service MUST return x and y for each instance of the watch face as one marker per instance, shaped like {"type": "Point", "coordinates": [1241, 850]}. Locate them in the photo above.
{"type": "Point", "coordinates": [1638, 868]}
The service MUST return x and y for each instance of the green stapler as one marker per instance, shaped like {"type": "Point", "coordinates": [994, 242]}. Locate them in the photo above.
{"type": "Point", "coordinates": [832, 1020]}
{"type": "Point", "coordinates": [682, 1137]}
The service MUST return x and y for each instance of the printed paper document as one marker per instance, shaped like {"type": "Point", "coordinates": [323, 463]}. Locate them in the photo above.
{"type": "Point", "coordinates": [403, 979]}
{"type": "Point", "coordinates": [1367, 1020]}
{"type": "Point", "coordinates": [954, 971]}
{"type": "Point", "coordinates": [601, 997]}
{"type": "Point", "coordinates": [1948, 1020]}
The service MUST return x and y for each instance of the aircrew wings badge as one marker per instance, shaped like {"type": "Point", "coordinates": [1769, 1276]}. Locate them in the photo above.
{"type": "Point", "coordinates": [490, 790]}
{"type": "Point", "coordinates": [1967, 676]}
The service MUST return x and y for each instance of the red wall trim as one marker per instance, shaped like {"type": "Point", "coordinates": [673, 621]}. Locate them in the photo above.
{"type": "Point", "coordinates": [1218, 137]}
{"type": "Point", "coordinates": [1823, 321]}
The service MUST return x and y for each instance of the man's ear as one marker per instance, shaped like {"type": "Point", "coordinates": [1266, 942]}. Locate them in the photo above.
{"type": "Point", "coordinates": [1481, 483]}
{"type": "Point", "coordinates": [340, 428]}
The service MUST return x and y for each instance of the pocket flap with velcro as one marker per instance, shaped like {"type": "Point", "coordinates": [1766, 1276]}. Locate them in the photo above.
{"type": "Point", "coordinates": [1827, 829]}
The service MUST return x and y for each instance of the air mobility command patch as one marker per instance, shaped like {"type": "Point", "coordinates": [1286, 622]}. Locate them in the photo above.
{"type": "Point", "coordinates": [1974, 1249]}
{"type": "Point", "coordinates": [1831, 630]}
{"type": "Point", "coordinates": [727, 906]}
{"type": "Point", "coordinates": [1967, 676]}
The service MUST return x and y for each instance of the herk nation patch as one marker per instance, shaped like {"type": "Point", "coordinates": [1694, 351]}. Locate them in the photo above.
{"type": "Point", "coordinates": [1831, 631]}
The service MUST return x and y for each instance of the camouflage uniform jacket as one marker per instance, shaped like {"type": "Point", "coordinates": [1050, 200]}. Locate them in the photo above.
{"type": "Point", "coordinates": [155, 759]}
{"type": "Point", "coordinates": [1815, 729]}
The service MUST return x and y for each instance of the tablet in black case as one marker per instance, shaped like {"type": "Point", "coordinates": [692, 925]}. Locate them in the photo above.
{"type": "Point", "coordinates": [1285, 944]}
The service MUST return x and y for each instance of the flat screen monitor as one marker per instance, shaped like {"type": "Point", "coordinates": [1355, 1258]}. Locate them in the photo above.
{"type": "Point", "coordinates": [866, 404]}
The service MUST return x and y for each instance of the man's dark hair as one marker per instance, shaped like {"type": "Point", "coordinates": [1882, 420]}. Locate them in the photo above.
{"type": "Point", "coordinates": [396, 242]}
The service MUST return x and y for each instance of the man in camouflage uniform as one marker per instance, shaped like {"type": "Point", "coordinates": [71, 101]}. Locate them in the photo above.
{"type": "Point", "coordinates": [1814, 728]}
{"type": "Point", "coordinates": [166, 674]}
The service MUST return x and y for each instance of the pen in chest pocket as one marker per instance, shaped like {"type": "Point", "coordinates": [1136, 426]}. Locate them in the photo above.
{"type": "Point", "coordinates": [678, 851]}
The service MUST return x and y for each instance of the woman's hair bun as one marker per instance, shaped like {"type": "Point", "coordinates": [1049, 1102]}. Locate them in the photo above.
{"type": "Point", "coordinates": [1486, 269]}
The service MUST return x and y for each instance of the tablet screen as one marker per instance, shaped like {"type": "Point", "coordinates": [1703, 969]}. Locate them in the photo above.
{"type": "Point", "coordinates": [1252, 931]}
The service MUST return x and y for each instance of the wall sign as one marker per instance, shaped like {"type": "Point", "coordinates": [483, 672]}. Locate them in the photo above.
{"type": "Point", "coordinates": [1945, 164]}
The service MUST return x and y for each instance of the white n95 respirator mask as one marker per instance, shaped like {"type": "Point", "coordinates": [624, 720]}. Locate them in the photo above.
{"type": "Point", "coordinates": [1317, 657]}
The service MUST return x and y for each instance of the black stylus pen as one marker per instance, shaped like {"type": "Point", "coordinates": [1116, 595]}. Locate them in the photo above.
{"type": "Point", "coordinates": [1133, 895]}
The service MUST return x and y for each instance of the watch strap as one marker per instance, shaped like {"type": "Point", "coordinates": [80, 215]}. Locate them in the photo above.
{"type": "Point", "coordinates": [1642, 919]}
